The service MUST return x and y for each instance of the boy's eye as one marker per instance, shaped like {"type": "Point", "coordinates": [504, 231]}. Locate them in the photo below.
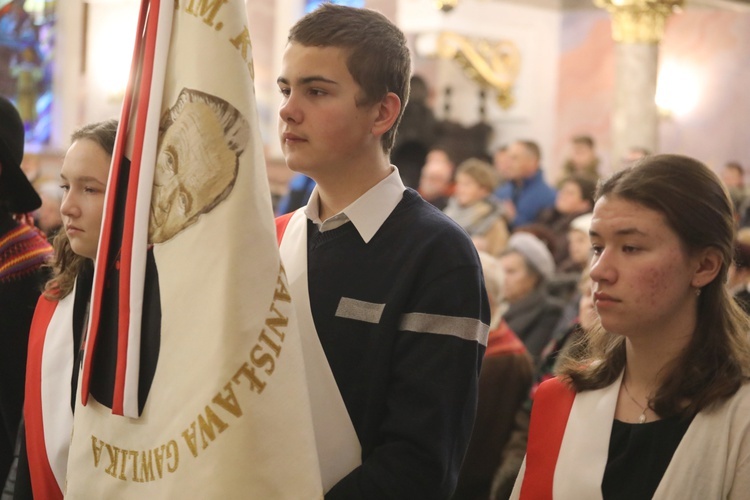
{"type": "Point", "coordinates": [284, 91]}
{"type": "Point", "coordinates": [65, 187]}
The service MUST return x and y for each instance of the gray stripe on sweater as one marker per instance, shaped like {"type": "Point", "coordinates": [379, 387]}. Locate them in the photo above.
{"type": "Point", "coordinates": [463, 328]}
{"type": "Point", "coordinates": [360, 310]}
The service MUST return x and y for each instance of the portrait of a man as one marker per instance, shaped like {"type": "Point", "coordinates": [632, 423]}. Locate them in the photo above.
{"type": "Point", "coordinates": [201, 139]}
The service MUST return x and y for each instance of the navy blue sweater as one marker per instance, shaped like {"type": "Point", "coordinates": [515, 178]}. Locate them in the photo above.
{"type": "Point", "coordinates": [402, 320]}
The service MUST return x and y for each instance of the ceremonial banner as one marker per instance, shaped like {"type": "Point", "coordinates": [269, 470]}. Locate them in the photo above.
{"type": "Point", "coordinates": [192, 381]}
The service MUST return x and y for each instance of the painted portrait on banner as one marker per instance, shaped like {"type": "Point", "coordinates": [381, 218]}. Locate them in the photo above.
{"type": "Point", "coordinates": [199, 130]}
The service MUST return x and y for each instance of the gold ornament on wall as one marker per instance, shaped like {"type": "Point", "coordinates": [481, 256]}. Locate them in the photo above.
{"type": "Point", "coordinates": [639, 21]}
{"type": "Point", "coordinates": [446, 5]}
{"type": "Point", "coordinates": [491, 64]}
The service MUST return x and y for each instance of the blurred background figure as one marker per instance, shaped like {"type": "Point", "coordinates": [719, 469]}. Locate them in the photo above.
{"type": "Point", "coordinates": [298, 192]}
{"type": "Point", "coordinates": [416, 133]}
{"type": "Point", "coordinates": [567, 278]}
{"type": "Point", "coordinates": [738, 277]}
{"type": "Point", "coordinates": [525, 193]}
{"type": "Point", "coordinates": [503, 385]}
{"type": "Point", "coordinates": [579, 245]}
{"type": "Point", "coordinates": [436, 178]}
{"type": "Point", "coordinates": [575, 197]}
{"type": "Point", "coordinates": [48, 217]}
{"type": "Point", "coordinates": [532, 312]}
{"type": "Point", "coordinates": [733, 177]}
{"type": "Point", "coordinates": [501, 162]}
{"type": "Point", "coordinates": [474, 208]}
{"type": "Point", "coordinates": [583, 160]}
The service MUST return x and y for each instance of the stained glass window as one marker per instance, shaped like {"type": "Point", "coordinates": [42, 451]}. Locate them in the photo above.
{"type": "Point", "coordinates": [26, 53]}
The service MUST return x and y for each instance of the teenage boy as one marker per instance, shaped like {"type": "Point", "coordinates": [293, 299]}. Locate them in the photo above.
{"type": "Point", "coordinates": [388, 286]}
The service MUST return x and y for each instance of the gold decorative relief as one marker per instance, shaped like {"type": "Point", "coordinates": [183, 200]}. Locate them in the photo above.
{"type": "Point", "coordinates": [492, 64]}
{"type": "Point", "coordinates": [639, 21]}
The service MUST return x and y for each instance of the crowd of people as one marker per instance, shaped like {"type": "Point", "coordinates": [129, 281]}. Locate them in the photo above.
{"type": "Point", "coordinates": [492, 335]}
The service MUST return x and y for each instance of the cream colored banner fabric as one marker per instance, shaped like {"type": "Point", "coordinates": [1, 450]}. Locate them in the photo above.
{"type": "Point", "coordinates": [227, 414]}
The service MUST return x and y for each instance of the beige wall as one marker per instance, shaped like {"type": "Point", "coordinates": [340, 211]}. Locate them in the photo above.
{"type": "Point", "coordinates": [709, 50]}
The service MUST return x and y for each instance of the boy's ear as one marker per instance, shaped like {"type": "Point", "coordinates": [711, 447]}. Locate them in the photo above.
{"type": "Point", "coordinates": [388, 111]}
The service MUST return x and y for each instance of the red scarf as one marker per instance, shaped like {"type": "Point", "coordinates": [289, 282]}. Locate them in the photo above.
{"type": "Point", "coordinates": [502, 340]}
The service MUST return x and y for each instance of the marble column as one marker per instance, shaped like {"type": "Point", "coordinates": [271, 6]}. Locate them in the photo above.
{"type": "Point", "coordinates": [637, 28]}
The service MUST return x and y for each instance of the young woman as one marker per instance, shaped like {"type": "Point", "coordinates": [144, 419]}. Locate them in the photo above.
{"type": "Point", "coordinates": [659, 405]}
{"type": "Point", "coordinates": [60, 317]}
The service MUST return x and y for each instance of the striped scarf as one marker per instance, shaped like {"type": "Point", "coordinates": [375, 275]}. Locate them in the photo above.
{"type": "Point", "coordinates": [23, 250]}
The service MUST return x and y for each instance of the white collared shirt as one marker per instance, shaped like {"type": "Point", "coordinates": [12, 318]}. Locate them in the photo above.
{"type": "Point", "coordinates": [367, 213]}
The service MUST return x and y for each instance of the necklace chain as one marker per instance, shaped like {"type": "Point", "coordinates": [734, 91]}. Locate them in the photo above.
{"type": "Point", "coordinates": [642, 417]}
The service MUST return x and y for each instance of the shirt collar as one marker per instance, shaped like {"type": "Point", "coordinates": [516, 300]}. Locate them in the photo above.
{"type": "Point", "coordinates": [368, 212]}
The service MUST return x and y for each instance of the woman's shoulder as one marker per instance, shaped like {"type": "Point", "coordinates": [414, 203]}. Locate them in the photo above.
{"type": "Point", "coordinates": [735, 408]}
{"type": "Point", "coordinates": [742, 397]}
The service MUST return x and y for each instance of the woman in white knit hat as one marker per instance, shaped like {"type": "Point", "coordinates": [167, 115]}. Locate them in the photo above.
{"type": "Point", "coordinates": [532, 313]}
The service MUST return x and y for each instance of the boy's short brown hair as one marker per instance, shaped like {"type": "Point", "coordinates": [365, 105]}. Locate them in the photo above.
{"type": "Point", "coordinates": [378, 57]}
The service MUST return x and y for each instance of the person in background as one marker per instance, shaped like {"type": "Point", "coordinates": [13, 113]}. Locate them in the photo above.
{"type": "Point", "coordinates": [23, 253]}
{"type": "Point", "coordinates": [658, 405]}
{"type": "Point", "coordinates": [389, 286]}
{"type": "Point", "coordinates": [568, 273]}
{"type": "Point", "coordinates": [474, 208]}
{"type": "Point", "coordinates": [501, 162]}
{"type": "Point", "coordinates": [733, 177]}
{"type": "Point", "coordinates": [532, 312]}
{"type": "Point", "coordinates": [738, 277]}
{"type": "Point", "coordinates": [48, 216]}
{"type": "Point", "coordinates": [298, 192]}
{"type": "Point", "coordinates": [582, 161]}
{"type": "Point", "coordinates": [436, 179]}
{"type": "Point", "coordinates": [579, 245]}
{"type": "Point", "coordinates": [575, 197]}
{"type": "Point", "coordinates": [525, 193]}
{"type": "Point", "coordinates": [84, 175]}
{"type": "Point", "coordinates": [503, 385]}
{"type": "Point", "coordinates": [416, 133]}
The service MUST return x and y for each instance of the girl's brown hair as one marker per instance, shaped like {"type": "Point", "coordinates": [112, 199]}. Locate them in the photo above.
{"type": "Point", "coordinates": [66, 264]}
{"type": "Point", "coordinates": [716, 362]}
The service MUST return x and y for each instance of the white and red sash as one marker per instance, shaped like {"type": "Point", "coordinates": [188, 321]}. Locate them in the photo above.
{"type": "Point", "coordinates": [710, 461]}
{"type": "Point", "coordinates": [568, 443]}
{"type": "Point", "coordinates": [47, 410]}
{"type": "Point", "coordinates": [339, 450]}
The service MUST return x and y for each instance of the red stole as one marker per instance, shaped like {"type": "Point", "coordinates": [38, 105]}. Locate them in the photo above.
{"type": "Point", "coordinates": [282, 222]}
{"type": "Point", "coordinates": [39, 406]}
{"type": "Point", "coordinates": [549, 418]}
